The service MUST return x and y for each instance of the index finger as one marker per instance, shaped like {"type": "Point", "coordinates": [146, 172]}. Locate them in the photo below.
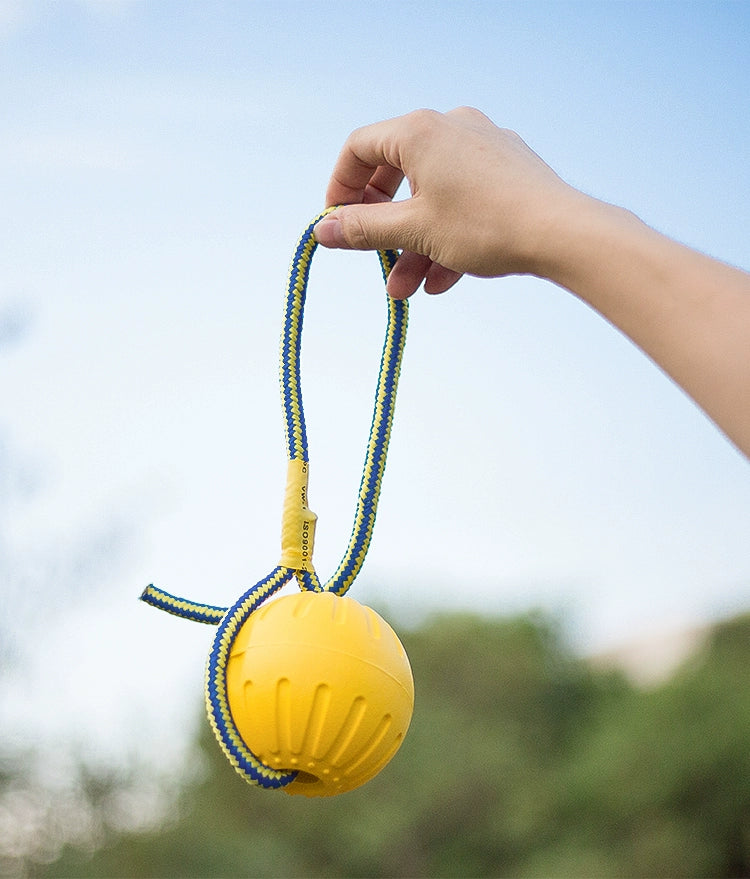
{"type": "Point", "coordinates": [367, 160]}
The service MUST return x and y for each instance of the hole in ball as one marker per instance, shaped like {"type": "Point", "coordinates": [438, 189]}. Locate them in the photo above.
{"type": "Point", "coordinates": [306, 778]}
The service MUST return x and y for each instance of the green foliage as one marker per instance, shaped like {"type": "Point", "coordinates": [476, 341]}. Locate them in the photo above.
{"type": "Point", "coordinates": [521, 761]}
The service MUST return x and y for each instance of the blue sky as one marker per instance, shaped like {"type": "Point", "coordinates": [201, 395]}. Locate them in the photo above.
{"type": "Point", "coordinates": [157, 163]}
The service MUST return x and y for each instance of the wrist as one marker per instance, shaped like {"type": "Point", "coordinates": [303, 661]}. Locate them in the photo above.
{"type": "Point", "coordinates": [575, 235]}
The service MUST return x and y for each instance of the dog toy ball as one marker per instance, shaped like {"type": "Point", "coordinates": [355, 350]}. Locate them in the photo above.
{"type": "Point", "coordinates": [311, 692]}
{"type": "Point", "coordinates": [322, 685]}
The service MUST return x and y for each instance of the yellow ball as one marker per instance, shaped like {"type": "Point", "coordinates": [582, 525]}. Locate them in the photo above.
{"type": "Point", "coordinates": [320, 684]}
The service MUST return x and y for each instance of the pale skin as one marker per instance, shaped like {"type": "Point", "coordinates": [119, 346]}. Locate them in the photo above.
{"type": "Point", "coordinates": [483, 203]}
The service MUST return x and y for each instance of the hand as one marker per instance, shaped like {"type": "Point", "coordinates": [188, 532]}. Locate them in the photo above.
{"type": "Point", "coordinates": [481, 201]}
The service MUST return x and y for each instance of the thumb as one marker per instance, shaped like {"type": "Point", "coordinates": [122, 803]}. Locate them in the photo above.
{"type": "Point", "coordinates": [383, 226]}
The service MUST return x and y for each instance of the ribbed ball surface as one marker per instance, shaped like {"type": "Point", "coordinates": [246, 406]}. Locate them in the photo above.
{"type": "Point", "coordinates": [320, 684]}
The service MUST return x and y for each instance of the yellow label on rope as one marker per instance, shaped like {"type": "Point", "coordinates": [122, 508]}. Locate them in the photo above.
{"type": "Point", "coordinates": [298, 521]}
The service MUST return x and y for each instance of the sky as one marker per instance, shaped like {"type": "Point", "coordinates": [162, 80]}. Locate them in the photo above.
{"type": "Point", "coordinates": [158, 161]}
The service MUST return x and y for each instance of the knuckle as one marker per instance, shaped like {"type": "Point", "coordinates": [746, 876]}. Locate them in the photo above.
{"type": "Point", "coordinates": [469, 115]}
{"type": "Point", "coordinates": [422, 122]}
{"type": "Point", "coordinates": [355, 230]}
{"type": "Point", "coordinates": [468, 112]}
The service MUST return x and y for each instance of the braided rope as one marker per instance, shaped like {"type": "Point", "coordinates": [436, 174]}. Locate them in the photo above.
{"type": "Point", "coordinates": [217, 701]}
{"type": "Point", "coordinates": [230, 620]}
{"type": "Point", "coordinates": [181, 607]}
{"type": "Point", "coordinates": [377, 446]}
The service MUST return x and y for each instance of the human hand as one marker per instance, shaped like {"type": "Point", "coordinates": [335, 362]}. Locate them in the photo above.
{"type": "Point", "coordinates": [482, 202]}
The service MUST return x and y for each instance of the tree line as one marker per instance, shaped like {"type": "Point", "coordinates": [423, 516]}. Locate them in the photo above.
{"type": "Point", "coordinates": [522, 760]}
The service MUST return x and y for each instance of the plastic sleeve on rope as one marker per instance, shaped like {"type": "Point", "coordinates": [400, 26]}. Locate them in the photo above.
{"type": "Point", "coordinates": [298, 521]}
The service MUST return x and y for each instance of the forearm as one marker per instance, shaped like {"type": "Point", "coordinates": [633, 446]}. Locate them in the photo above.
{"type": "Point", "coordinates": [688, 312]}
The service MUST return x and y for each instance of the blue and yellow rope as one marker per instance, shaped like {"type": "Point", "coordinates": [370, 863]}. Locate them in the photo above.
{"type": "Point", "coordinates": [299, 521]}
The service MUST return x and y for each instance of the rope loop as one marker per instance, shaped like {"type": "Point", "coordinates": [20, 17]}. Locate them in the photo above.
{"type": "Point", "coordinates": [298, 521]}
{"type": "Point", "coordinates": [294, 417]}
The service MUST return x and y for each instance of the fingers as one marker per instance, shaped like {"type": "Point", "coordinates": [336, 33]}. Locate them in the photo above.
{"type": "Point", "coordinates": [383, 185]}
{"type": "Point", "coordinates": [380, 188]}
{"type": "Point", "coordinates": [368, 227]}
{"type": "Point", "coordinates": [439, 279]}
{"type": "Point", "coordinates": [408, 273]}
{"type": "Point", "coordinates": [377, 154]}
{"type": "Point", "coordinates": [375, 226]}
{"type": "Point", "coordinates": [365, 159]}
{"type": "Point", "coordinates": [413, 268]}
{"type": "Point", "coordinates": [365, 178]}
{"type": "Point", "coordinates": [349, 179]}
{"type": "Point", "coordinates": [330, 233]}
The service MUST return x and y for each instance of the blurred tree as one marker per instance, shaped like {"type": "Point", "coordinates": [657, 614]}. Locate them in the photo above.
{"type": "Point", "coordinates": [521, 761]}
{"type": "Point", "coordinates": [496, 701]}
{"type": "Point", "coordinates": [41, 578]}
{"type": "Point", "coordinates": [662, 777]}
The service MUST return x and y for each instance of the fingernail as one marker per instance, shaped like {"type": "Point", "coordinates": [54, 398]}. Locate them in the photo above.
{"type": "Point", "coordinates": [329, 233]}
